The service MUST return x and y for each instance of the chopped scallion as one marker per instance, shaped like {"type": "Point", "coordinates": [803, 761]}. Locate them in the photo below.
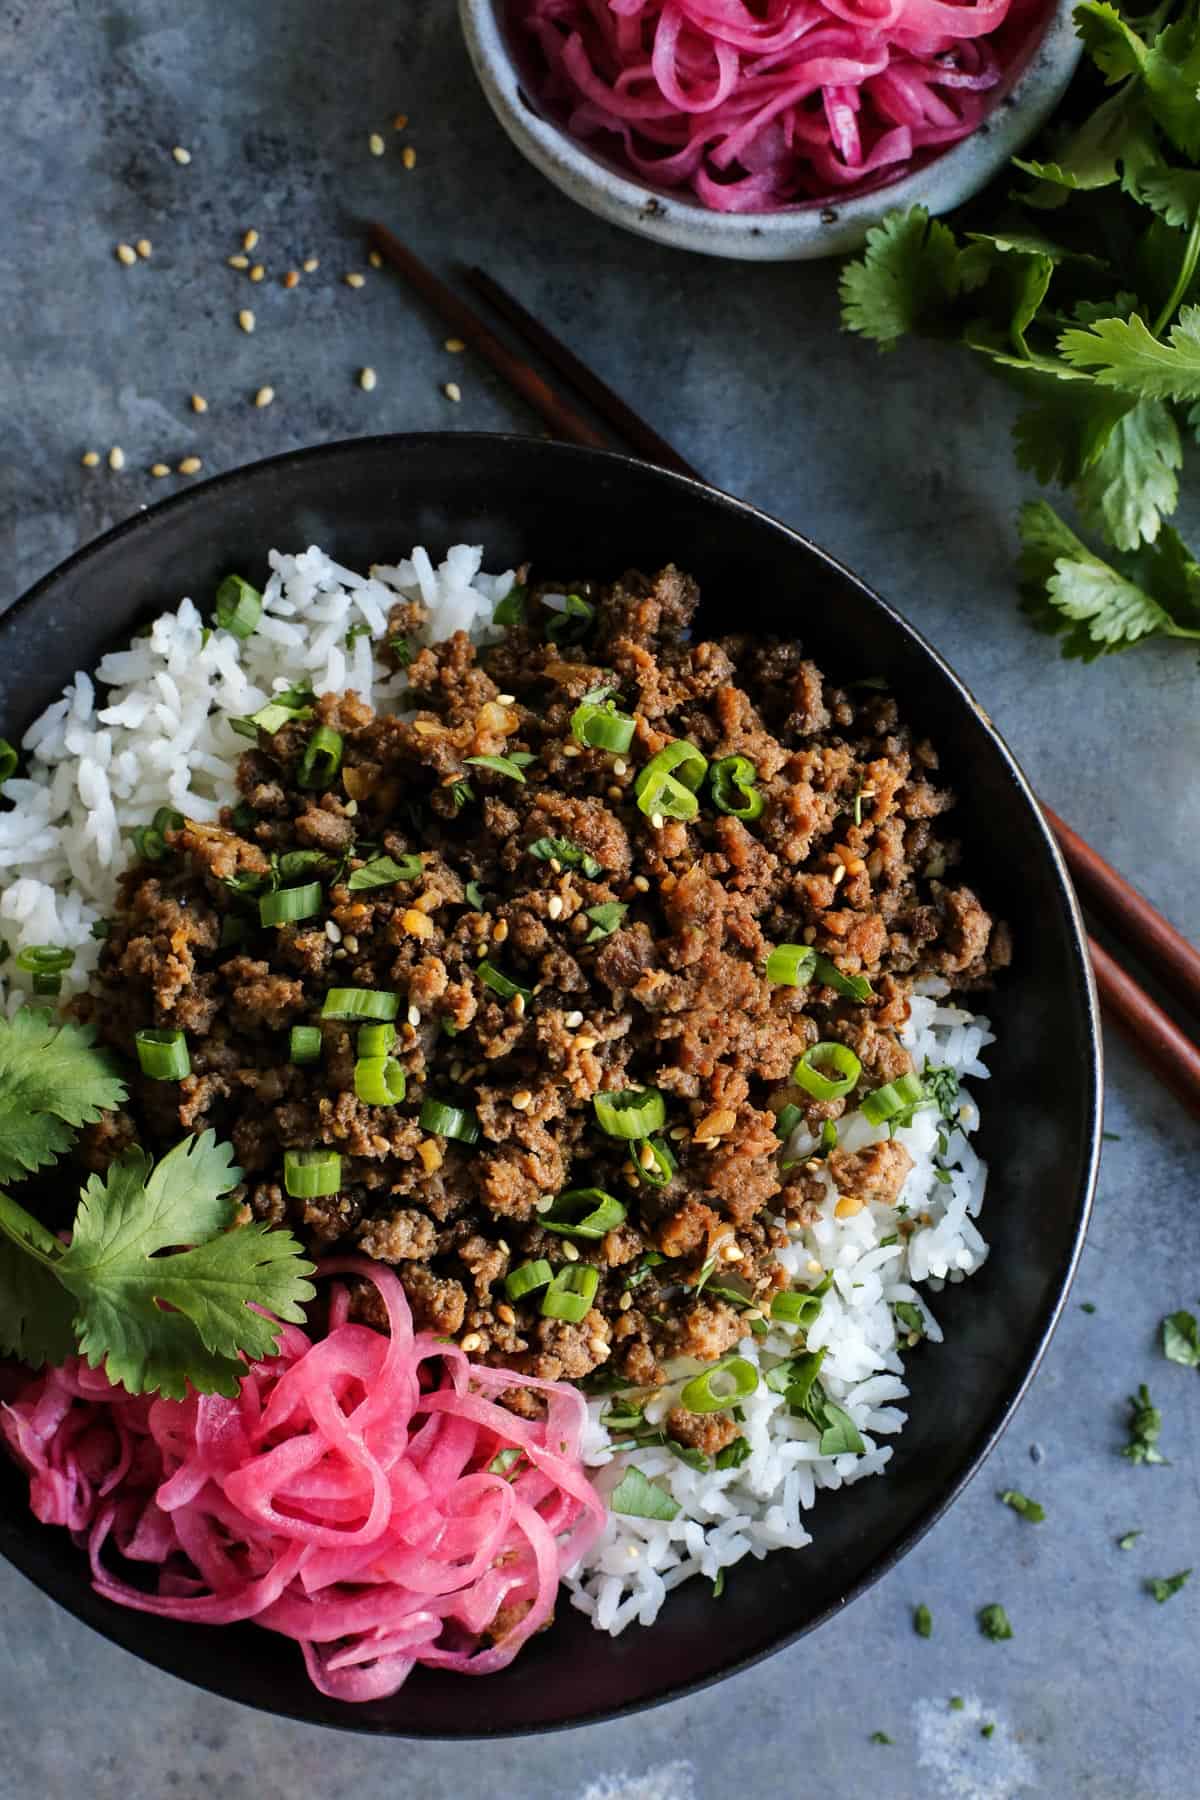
{"type": "Point", "coordinates": [379, 1081]}
{"type": "Point", "coordinates": [667, 785]}
{"type": "Point", "coordinates": [8, 760]}
{"type": "Point", "coordinates": [791, 965]}
{"type": "Point", "coordinates": [309, 1174]}
{"type": "Point", "coordinates": [288, 905]}
{"type": "Point", "coordinates": [852, 987]}
{"type": "Point", "coordinates": [163, 1055]}
{"type": "Point", "coordinates": [360, 1003]}
{"type": "Point", "coordinates": [810, 1072]}
{"type": "Point", "coordinates": [631, 1112]}
{"type": "Point", "coordinates": [894, 1098]}
{"type": "Point", "coordinates": [304, 1044]}
{"type": "Point", "coordinates": [322, 759]}
{"type": "Point", "coordinates": [571, 1293]}
{"type": "Point", "coordinates": [238, 606]}
{"type": "Point", "coordinates": [602, 727]}
{"type": "Point", "coordinates": [444, 1120]}
{"type": "Point", "coordinates": [583, 1213]}
{"type": "Point", "coordinates": [499, 982]}
{"type": "Point", "coordinates": [720, 1386]}
{"type": "Point", "coordinates": [376, 1040]}
{"type": "Point", "coordinates": [527, 1279]}
{"type": "Point", "coordinates": [733, 789]}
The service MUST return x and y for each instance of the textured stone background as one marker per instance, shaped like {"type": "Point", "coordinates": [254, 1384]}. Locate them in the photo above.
{"type": "Point", "coordinates": [900, 466]}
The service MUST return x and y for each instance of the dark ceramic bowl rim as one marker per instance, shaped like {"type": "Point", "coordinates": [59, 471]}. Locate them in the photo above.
{"type": "Point", "coordinates": [1081, 972]}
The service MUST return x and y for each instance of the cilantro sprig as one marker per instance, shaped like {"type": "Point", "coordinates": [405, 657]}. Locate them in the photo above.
{"type": "Point", "coordinates": [1083, 290]}
{"type": "Point", "coordinates": [158, 1281]}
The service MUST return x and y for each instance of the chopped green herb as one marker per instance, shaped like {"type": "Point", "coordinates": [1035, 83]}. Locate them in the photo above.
{"type": "Point", "coordinates": [1162, 1587]}
{"type": "Point", "coordinates": [957, 1703]}
{"type": "Point", "coordinates": [1128, 1540]}
{"type": "Point", "coordinates": [1111, 1137]}
{"type": "Point", "coordinates": [881, 1737]}
{"type": "Point", "coordinates": [569, 624]}
{"type": "Point", "coordinates": [1181, 1339]}
{"type": "Point", "coordinates": [505, 1461]}
{"type": "Point", "coordinates": [562, 850]}
{"type": "Point", "coordinates": [923, 1621]}
{"type": "Point", "coordinates": [651, 1260]}
{"type": "Point", "coordinates": [1145, 1424]}
{"type": "Point", "coordinates": [1087, 1306]}
{"type": "Point", "coordinates": [910, 1317]}
{"type": "Point", "coordinates": [360, 628]}
{"type": "Point", "coordinates": [402, 650]}
{"type": "Point", "coordinates": [985, 1731]}
{"type": "Point", "coordinates": [1020, 1503]}
{"type": "Point", "coordinates": [499, 765]}
{"type": "Point", "coordinates": [734, 1454]}
{"type": "Point", "coordinates": [384, 871]}
{"type": "Point", "coordinates": [605, 918]}
{"type": "Point", "coordinates": [461, 794]}
{"type": "Point", "coordinates": [636, 1497]}
{"type": "Point", "coordinates": [474, 895]}
{"type": "Point", "coordinates": [718, 1586]}
{"type": "Point", "coordinates": [100, 930]}
{"type": "Point", "coordinates": [511, 610]}
{"type": "Point", "coordinates": [994, 1623]}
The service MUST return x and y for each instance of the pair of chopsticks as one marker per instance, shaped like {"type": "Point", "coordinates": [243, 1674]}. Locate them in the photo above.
{"type": "Point", "coordinates": [1143, 932]}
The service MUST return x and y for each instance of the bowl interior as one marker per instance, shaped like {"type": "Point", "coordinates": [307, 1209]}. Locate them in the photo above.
{"type": "Point", "coordinates": [580, 512]}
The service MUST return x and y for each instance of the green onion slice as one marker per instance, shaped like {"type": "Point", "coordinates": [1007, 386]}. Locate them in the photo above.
{"type": "Point", "coordinates": [444, 1120]}
{"type": "Point", "coordinates": [149, 844]}
{"type": "Point", "coordinates": [786, 1120]}
{"type": "Point", "coordinates": [8, 760]}
{"type": "Point", "coordinates": [99, 930]}
{"type": "Point", "coordinates": [167, 819]}
{"type": "Point", "coordinates": [500, 765]}
{"type": "Point", "coordinates": [304, 1044]}
{"type": "Point", "coordinates": [663, 1165]}
{"type": "Point", "coordinates": [631, 1112]}
{"type": "Point", "coordinates": [668, 783]}
{"type": "Point", "coordinates": [800, 1308]}
{"type": "Point", "coordinates": [511, 610]}
{"type": "Point", "coordinates": [719, 1386]}
{"type": "Point", "coordinates": [379, 1081]}
{"type": "Point", "coordinates": [376, 1040]}
{"type": "Point", "coordinates": [163, 1055]}
{"type": "Point", "coordinates": [527, 1279]}
{"type": "Point", "coordinates": [583, 1213]}
{"type": "Point", "coordinates": [307, 1174]}
{"type": "Point", "coordinates": [238, 606]}
{"type": "Point", "coordinates": [827, 1071]}
{"type": "Point", "coordinates": [499, 982]}
{"type": "Point", "coordinates": [602, 727]}
{"type": "Point", "coordinates": [791, 965]}
{"type": "Point", "coordinates": [44, 959]}
{"type": "Point", "coordinates": [570, 625]}
{"type": "Point", "coordinates": [288, 905]}
{"type": "Point", "coordinates": [322, 759]}
{"type": "Point", "coordinates": [637, 1497]}
{"type": "Point", "coordinates": [571, 1293]}
{"type": "Point", "coordinates": [733, 789]}
{"type": "Point", "coordinates": [853, 987]}
{"type": "Point", "coordinates": [279, 711]}
{"type": "Point", "coordinates": [895, 1097]}
{"type": "Point", "coordinates": [384, 871]}
{"type": "Point", "coordinates": [47, 984]}
{"type": "Point", "coordinates": [360, 1003]}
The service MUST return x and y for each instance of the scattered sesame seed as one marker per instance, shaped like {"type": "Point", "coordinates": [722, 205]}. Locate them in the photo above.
{"type": "Point", "coordinates": [264, 396]}
{"type": "Point", "coordinates": [521, 1099]}
{"type": "Point", "coordinates": [366, 379]}
{"type": "Point", "coordinates": [400, 121]}
{"type": "Point", "coordinates": [199, 403]}
{"type": "Point", "coordinates": [257, 272]}
{"type": "Point", "coordinates": [414, 1016]}
{"type": "Point", "coordinates": [572, 749]}
{"type": "Point", "coordinates": [351, 809]}
{"type": "Point", "coordinates": [570, 1252]}
{"type": "Point", "coordinates": [238, 262]}
{"type": "Point", "coordinates": [615, 792]}
{"type": "Point", "coordinates": [472, 1341]}
{"type": "Point", "coordinates": [506, 699]}
{"type": "Point", "coordinates": [555, 906]}
{"type": "Point", "coordinates": [646, 1157]}
{"type": "Point", "coordinates": [374, 258]}
{"type": "Point", "coordinates": [556, 865]}
{"type": "Point", "coordinates": [333, 931]}
{"type": "Point", "coordinates": [599, 1348]}
{"type": "Point", "coordinates": [116, 457]}
{"type": "Point", "coordinates": [354, 279]}
{"type": "Point", "coordinates": [90, 459]}
{"type": "Point", "coordinates": [375, 144]}
{"type": "Point", "coordinates": [506, 1315]}
{"type": "Point", "coordinates": [585, 1043]}
{"type": "Point", "coordinates": [144, 248]}
{"type": "Point", "coordinates": [126, 254]}
{"type": "Point", "coordinates": [408, 157]}
{"type": "Point", "coordinates": [455, 346]}
{"type": "Point", "coordinates": [191, 465]}
{"type": "Point", "coordinates": [543, 1206]}
{"type": "Point", "coordinates": [518, 1005]}
{"type": "Point", "coordinates": [731, 1253]}
{"type": "Point", "coordinates": [839, 874]}
{"type": "Point", "coordinates": [656, 819]}
{"type": "Point", "coordinates": [351, 943]}
{"type": "Point", "coordinates": [641, 884]}
{"type": "Point", "coordinates": [245, 319]}
{"type": "Point", "coordinates": [311, 264]}
{"type": "Point", "coordinates": [249, 239]}
{"type": "Point", "coordinates": [677, 1133]}
{"type": "Point", "coordinates": [573, 1021]}
{"type": "Point", "coordinates": [452, 391]}
{"type": "Point", "coordinates": [620, 767]}
{"type": "Point", "coordinates": [292, 278]}
{"type": "Point", "coordinates": [625, 1302]}
{"type": "Point", "coordinates": [158, 470]}
{"type": "Point", "coordinates": [499, 931]}
{"type": "Point", "coordinates": [182, 156]}
{"type": "Point", "coordinates": [814, 1267]}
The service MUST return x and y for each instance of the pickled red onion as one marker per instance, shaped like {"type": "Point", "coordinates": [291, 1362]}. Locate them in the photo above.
{"type": "Point", "coordinates": [764, 106]}
{"type": "Point", "coordinates": [336, 1500]}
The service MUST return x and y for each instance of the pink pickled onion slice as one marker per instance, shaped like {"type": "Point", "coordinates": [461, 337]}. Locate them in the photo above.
{"type": "Point", "coordinates": [333, 1501]}
{"type": "Point", "coordinates": [772, 104]}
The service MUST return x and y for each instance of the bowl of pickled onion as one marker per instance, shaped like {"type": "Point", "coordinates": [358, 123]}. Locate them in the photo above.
{"type": "Point", "coordinates": [769, 130]}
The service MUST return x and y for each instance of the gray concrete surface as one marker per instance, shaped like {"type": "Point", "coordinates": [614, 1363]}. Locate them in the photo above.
{"type": "Point", "coordinates": [902, 467]}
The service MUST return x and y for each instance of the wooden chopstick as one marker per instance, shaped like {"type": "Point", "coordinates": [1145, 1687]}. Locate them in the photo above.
{"type": "Point", "coordinates": [1151, 937]}
{"type": "Point", "coordinates": [562, 418]}
{"type": "Point", "coordinates": [1169, 1052]}
{"type": "Point", "coordinates": [1172, 1055]}
{"type": "Point", "coordinates": [636, 432]}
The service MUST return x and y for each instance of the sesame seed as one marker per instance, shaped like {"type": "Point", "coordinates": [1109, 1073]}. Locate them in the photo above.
{"type": "Point", "coordinates": [90, 459]}
{"type": "Point", "coordinates": [555, 906]}
{"type": "Point", "coordinates": [191, 465]}
{"type": "Point", "coordinates": [620, 767]}
{"type": "Point", "coordinates": [414, 1016]}
{"type": "Point", "coordinates": [249, 239]}
{"type": "Point", "coordinates": [311, 264]}
{"type": "Point", "coordinates": [351, 943]}
{"type": "Point", "coordinates": [573, 1020]}
{"type": "Point", "coordinates": [625, 1302]}
{"type": "Point", "coordinates": [615, 793]}
{"type": "Point", "coordinates": [400, 121]}
{"type": "Point", "coordinates": [839, 874]}
{"type": "Point", "coordinates": [731, 1253]}
{"type": "Point", "coordinates": [264, 396]}
{"type": "Point", "coordinates": [499, 931]}
{"type": "Point", "coordinates": [182, 156]}
{"type": "Point", "coordinates": [455, 346]}
{"type": "Point", "coordinates": [506, 1315]}
{"type": "Point", "coordinates": [199, 403]}
{"type": "Point", "coordinates": [292, 278]}
{"type": "Point", "coordinates": [571, 749]}
{"type": "Point", "coordinates": [506, 699]}
{"type": "Point", "coordinates": [126, 254]}
{"type": "Point", "coordinates": [333, 931]}
{"type": "Point", "coordinates": [570, 1252]}
{"type": "Point", "coordinates": [374, 258]}
{"type": "Point", "coordinates": [585, 1043]}
{"type": "Point", "coordinates": [116, 457]}
{"type": "Point", "coordinates": [677, 1133]}
{"type": "Point", "coordinates": [354, 279]}
{"type": "Point", "coordinates": [246, 319]}
{"type": "Point", "coordinates": [472, 1341]}
{"type": "Point", "coordinates": [518, 1005]}
{"type": "Point", "coordinates": [656, 819]}
{"type": "Point", "coordinates": [144, 248]}
{"type": "Point", "coordinates": [375, 144]}
{"type": "Point", "coordinates": [351, 809]}
{"type": "Point", "coordinates": [555, 865]}
{"type": "Point", "coordinates": [521, 1099]}
{"type": "Point", "coordinates": [599, 1348]}
{"type": "Point", "coordinates": [408, 157]}
{"type": "Point", "coordinates": [641, 884]}
{"type": "Point", "coordinates": [366, 379]}
{"type": "Point", "coordinates": [543, 1206]}
{"type": "Point", "coordinates": [257, 272]}
{"type": "Point", "coordinates": [646, 1157]}
{"type": "Point", "coordinates": [452, 391]}
{"type": "Point", "coordinates": [158, 470]}
{"type": "Point", "coordinates": [814, 1267]}
{"type": "Point", "coordinates": [238, 262]}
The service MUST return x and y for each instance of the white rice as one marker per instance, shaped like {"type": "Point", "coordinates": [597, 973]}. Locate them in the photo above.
{"type": "Point", "coordinates": [152, 729]}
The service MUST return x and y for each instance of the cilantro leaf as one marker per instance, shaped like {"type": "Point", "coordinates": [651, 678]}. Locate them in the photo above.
{"type": "Point", "coordinates": [52, 1080]}
{"type": "Point", "coordinates": [1162, 1588]}
{"type": "Point", "coordinates": [605, 918]}
{"type": "Point", "coordinates": [1174, 194]}
{"type": "Point", "coordinates": [907, 280]}
{"type": "Point", "coordinates": [1125, 355]}
{"type": "Point", "coordinates": [1100, 606]}
{"type": "Point", "coordinates": [1181, 1339]}
{"type": "Point", "coordinates": [1114, 46]}
{"type": "Point", "coordinates": [1130, 483]}
{"type": "Point", "coordinates": [1128, 1540]}
{"type": "Point", "coordinates": [1029, 1509]}
{"type": "Point", "coordinates": [1171, 77]}
{"type": "Point", "coordinates": [994, 1623]}
{"type": "Point", "coordinates": [121, 1280]}
{"type": "Point", "coordinates": [1113, 138]}
{"type": "Point", "coordinates": [35, 1310]}
{"type": "Point", "coordinates": [1145, 1424]}
{"type": "Point", "coordinates": [1067, 429]}
{"type": "Point", "coordinates": [922, 1621]}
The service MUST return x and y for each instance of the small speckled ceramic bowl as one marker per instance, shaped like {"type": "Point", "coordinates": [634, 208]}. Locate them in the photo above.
{"type": "Point", "coordinates": [824, 228]}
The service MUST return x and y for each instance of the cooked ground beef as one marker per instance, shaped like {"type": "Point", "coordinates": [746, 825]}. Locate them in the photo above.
{"type": "Point", "coordinates": [635, 947]}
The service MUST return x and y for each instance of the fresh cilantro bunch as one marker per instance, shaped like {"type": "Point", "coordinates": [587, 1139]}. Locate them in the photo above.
{"type": "Point", "coordinates": [1084, 292]}
{"type": "Point", "coordinates": [155, 1283]}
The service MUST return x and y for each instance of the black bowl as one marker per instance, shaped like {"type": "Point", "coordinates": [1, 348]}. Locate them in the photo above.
{"type": "Point", "coordinates": [578, 511]}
